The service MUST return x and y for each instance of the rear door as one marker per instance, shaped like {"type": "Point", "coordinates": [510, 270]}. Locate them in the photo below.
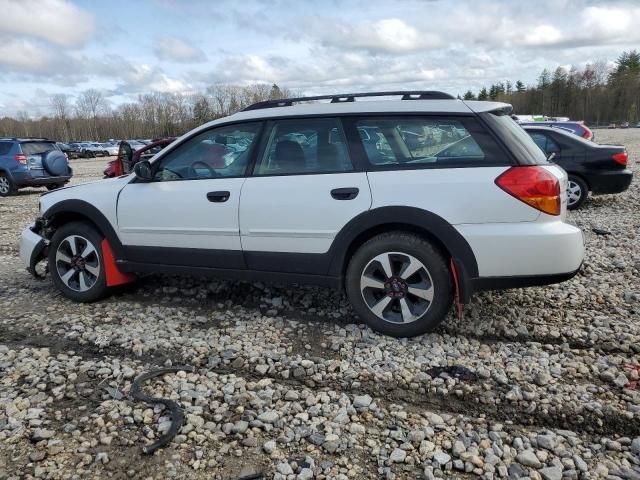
{"type": "Point", "coordinates": [303, 190]}
{"type": "Point", "coordinates": [34, 152]}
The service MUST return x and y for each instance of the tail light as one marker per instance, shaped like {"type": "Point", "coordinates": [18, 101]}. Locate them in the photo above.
{"type": "Point", "coordinates": [622, 158]}
{"type": "Point", "coordinates": [21, 158]}
{"type": "Point", "coordinates": [587, 134]}
{"type": "Point", "coordinates": [534, 186]}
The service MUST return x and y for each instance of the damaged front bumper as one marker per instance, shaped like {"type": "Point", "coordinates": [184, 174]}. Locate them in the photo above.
{"type": "Point", "coordinates": [33, 248]}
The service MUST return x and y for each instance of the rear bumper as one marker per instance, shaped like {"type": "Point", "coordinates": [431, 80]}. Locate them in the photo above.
{"type": "Point", "coordinates": [610, 182]}
{"type": "Point", "coordinates": [524, 253]}
{"type": "Point", "coordinates": [25, 179]}
{"type": "Point", "coordinates": [503, 283]}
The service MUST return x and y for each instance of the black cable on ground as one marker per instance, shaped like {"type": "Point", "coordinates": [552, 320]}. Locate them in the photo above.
{"type": "Point", "coordinates": [177, 416]}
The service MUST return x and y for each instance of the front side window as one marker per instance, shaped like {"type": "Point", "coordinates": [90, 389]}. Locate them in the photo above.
{"type": "Point", "coordinates": [300, 146]}
{"type": "Point", "coordinates": [418, 142]}
{"type": "Point", "coordinates": [219, 152]}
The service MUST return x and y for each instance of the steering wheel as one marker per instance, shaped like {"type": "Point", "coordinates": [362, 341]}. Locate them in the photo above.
{"type": "Point", "coordinates": [200, 163]}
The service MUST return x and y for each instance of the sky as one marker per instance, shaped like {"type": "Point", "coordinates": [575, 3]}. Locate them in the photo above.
{"type": "Point", "coordinates": [125, 48]}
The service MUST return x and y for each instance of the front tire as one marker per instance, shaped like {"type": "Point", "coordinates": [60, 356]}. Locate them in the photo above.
{"type": "Point", "coordinates": [76, 263]}
{"type": "Point", "coordinates": [7, 187]}
{"type": "Point", "coordinates": [577, 192]}
{"type": "Point", "coordinates": [399, 284]}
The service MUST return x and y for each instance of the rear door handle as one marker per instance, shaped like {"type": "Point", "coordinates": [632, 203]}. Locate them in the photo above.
{"type": "Point", "coordinates": [345, 193]}
{"type": "Point", "coordinates": [218, 197]}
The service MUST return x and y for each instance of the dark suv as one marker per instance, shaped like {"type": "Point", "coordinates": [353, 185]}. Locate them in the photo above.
{"type": "Point", "coordinates": [29, 162]}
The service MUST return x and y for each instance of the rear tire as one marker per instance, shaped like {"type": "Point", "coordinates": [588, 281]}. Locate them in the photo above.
{"type": "Point", "coordinates": [7, 187]}
{"type": "Point", "coordinates": [399, 284]}
{"type": "Point", "coordinates": [577, 192]}
{"type": "Point", "coordinates": [76, 263]}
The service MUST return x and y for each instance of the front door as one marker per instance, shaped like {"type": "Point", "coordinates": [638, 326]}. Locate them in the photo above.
{"type": "Point", "coordinates": [188, 214]}
{"type": "Point", "coordinates": [303, 191]}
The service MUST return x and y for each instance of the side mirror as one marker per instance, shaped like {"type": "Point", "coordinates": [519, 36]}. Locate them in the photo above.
{"type": "Point", "coordinates": [143, 171]}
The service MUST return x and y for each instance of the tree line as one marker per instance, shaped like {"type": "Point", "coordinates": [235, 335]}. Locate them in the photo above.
{"type": "Point", "coordinates": [153, 115]}
{"type": "Point", "coordinates": [597, 94]}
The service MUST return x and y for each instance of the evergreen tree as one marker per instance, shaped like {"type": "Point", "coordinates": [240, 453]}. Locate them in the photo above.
{"type": "Point", "coordinates": [483, 95]}
{"type": "Point", "coordinates": [520, 86]}
{"type": "Point", "coordinates": [275, 92]}
{"type": "Point", "coordinates": [469, 95]}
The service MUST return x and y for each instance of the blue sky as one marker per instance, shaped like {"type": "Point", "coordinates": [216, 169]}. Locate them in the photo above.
{"type": "Point", "coordinates": [125, 48]}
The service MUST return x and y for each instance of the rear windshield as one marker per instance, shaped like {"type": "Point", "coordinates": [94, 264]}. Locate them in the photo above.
{"type": "Point", "coordinates": [517, 140]}
{"type": "Point", "coordinates": [34, 148]}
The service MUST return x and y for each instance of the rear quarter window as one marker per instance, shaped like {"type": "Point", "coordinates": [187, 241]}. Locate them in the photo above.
{"type": "Point", "coordinates": [433, 141]}
{"type": "Point", "coordinates": [521, 145]}
{"type": "Point", "coordinates": [5, 147]}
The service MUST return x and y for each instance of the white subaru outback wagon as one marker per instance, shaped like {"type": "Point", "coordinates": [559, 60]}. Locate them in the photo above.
{"type": "Point", "coordinates": [403, 203]}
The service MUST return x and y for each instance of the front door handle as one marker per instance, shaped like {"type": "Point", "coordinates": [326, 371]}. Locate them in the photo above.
{"type": "Point", "coordinates": [218, 197]}
{"type": "Point", "coordinates": [345, 193]}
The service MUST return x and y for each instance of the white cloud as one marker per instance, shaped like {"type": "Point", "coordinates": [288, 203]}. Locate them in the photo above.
{"type": "Point", "coordinates": [178, 50]}
{"type": "Point", "coordinates": [56, 21]}
{"type": "Point", "coordinates": [390, 35]}
{"type": "Point", "coordinates": [541, 35]}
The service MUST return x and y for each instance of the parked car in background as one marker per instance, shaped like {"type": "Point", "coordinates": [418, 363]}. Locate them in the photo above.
{"type": "Point", "coordinates": [111, 148]}
{"type": "Point", "coordinates": [402, 232]}
{"type": "Point", "coordinates": [128, 157]}
{"type": "Point", "coordinates": [71, 150]}
{"type": "Point", "coordinates": [591, 167]}
{"type": "Point", "coordinates": [612, 125]}
{"type": "Point", "coordinates": [92, 149]}
{"type": "Point", "coordinates": [624, 125]}
{"type": "Point", "coordinates": [30, 162]}
{"type": "Point", "coordinates": [578, 128]}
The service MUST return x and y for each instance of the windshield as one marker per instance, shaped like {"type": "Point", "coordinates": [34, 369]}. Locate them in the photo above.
{"type": "Point", "coordinates": [518, 141]}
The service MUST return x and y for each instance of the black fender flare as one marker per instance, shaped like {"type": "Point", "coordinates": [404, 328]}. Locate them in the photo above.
{"type": "Point", "coordinates": [8, 173]}
{"type": "Point", "coordinates": [423, 220]}
{"type": "Point", "coordinates": [87, 210]}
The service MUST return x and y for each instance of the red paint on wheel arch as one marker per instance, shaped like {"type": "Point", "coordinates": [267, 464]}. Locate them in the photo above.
{"type": "Point", "coordinates": [113, 274]}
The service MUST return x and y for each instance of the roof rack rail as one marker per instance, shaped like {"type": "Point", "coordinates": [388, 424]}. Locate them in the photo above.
{"type": "Point", "coordinates": [23, 138]}
{"type": "Point", "coordinates": [350, 97]}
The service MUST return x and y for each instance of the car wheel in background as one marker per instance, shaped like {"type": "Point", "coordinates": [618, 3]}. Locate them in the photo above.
{"type": "Point", "coordinates": [76, 263]}
{"type": "Point", "coordinates": [577, 192]}
{"type": "Point", "coordinates": [399, 284]}
{"type": "Point", "coordinates": [6, 186]}
{"type": "Point", "coordinates": [53, 186]}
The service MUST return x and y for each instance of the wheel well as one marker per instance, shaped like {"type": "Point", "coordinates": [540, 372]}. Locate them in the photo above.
{"type": "Point", "coordinates": [581, 178]}
{"type": "Point", "coordinates": [392, 227]}
{"type": "Point", "coordinates": [62, 218]}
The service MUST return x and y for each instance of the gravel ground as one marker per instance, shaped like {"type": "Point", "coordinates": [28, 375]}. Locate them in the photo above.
{"type": "Point", "coordinates": [285, 381]}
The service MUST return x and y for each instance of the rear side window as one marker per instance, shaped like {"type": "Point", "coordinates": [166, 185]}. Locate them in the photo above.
{"type": "Point", "coordinates": [34, 148]}
{"type": "Point", "coordinates": [4, 148]}
{"type": "Point", "coordinates": [429, 141]}
{"type": "Point", "coordinates": [521, 145]}
{"type": "Point", "coordinates": [546, 143]}
{"type": "Point", "coordinates": [305, 145]}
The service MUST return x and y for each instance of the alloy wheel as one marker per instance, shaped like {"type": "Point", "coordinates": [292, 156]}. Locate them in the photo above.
{"type": "Point", "coordinates": [574, 192]}
{"type": "Point", "coordinates": [4, 185]}
{"type": "Point", "coordinates": [77, 263]}
{"type": "Point", "coordinates": [397, 287]}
